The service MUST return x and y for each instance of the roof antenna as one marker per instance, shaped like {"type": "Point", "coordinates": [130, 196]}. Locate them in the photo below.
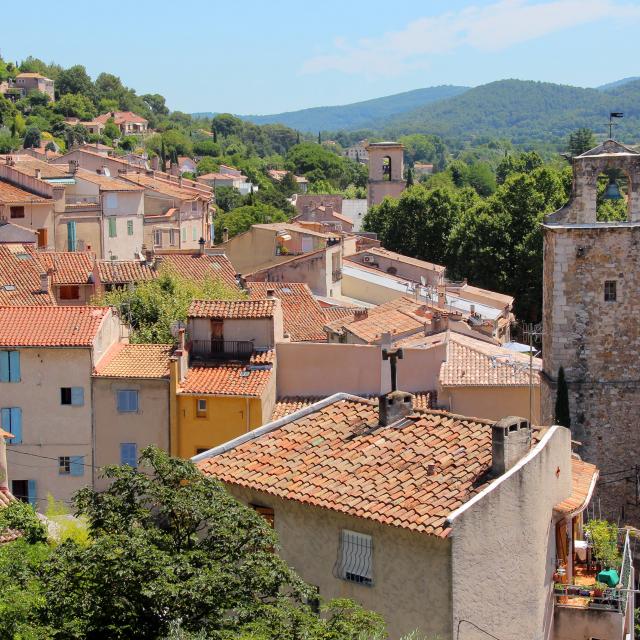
{"type": "Point", "coordinates": [612, 115]}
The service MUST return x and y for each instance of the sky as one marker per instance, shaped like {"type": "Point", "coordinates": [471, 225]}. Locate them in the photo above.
{"type": "Point", "coordinates": [262, 57]}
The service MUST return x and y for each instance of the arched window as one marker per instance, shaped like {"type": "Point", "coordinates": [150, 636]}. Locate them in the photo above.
{"type": "Point", "coordinates": [386, 168]}
{"type": "Point", "coordinates": [612, 196]}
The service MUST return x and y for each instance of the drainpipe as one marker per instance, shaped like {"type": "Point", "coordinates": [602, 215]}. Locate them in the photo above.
{"type": "Point", "coordinates": [247, 412]}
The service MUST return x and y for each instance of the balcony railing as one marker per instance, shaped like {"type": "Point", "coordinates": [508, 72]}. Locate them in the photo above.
{"type": "Point", "coordinates": [222, 349]}
{"type": "Point", "coordinates": [77, 200]}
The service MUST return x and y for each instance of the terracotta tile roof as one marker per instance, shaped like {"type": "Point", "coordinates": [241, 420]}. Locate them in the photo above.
{"type": "Point", "coordinates": [121, 117]}
{"type": "Point", "coordinates": [194, 266]}
{"type": "Point", "coordinates": [20, 277]}
{"type": "Point", "coordinates": [227, 380]}
{"type": "Point", "coordinates": [10, 194]}
{"type": "Point", "coordinates": [28, 165]}
{"type": "Point", "coordinates": [338, 313]}
{"type": "Point", "coordinates": [135, 361]}
{"type": "Point", "coordinates": [231, 309]}
{"type": "Point", "coordinates": [50, 326]}
{"type": "Point", "coordinates": [267, 356]}
{"type": "Point", "coordinates": [107, 183]}
{"type": "Point", "coordinates": [498, 300]}
{"type": "Point", "coordinates": [584, 477]}
{"type": "Point", "coordinates": [69, 267]}
{"type": "Point", "coordinates": [287, 405]}
{"type": "Point", "coordinates": [303, 318]}
{"type": "Point", "coordinates": [222, 176]}
{"type": "Point", "coordinates": [398, 257]}
{"type": "Point", "coordinates": [474, 363]}
{"type": "Point", "coordinates": [339, 458]}
{"type": "Point", "coordinates": [165, 187]}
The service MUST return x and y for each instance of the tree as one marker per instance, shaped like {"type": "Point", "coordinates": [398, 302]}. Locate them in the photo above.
{"type": "Point", "coordinates": [580, 141]}
{"type": "Point", "coordinates": [8, 143]}
{"type": "Point", "coordinates": [31, 138]}
{"type": "Point", "coordinates": [156, 103]}
{"type": "Point", "coordinates": [409, 177]}
{"type": "Point", "coordinates": [74, 80]}
{"type": "Point", "coordinates": [75, 106]}
{"type": "Point", "coordinates": [207, 148]}
{"type": "Point", "coordinates": [562, 413]}
{"type": "Point", "coordinates": [207, 165]}
{"type": "Point", "coordinates": [153, 306]}
{"type": "Point", "coordinates": [241, 218]}
{"type": "Point", "coordinates": [111, 129]}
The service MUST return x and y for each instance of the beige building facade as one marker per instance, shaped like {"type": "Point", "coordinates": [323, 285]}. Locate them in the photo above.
{"type": "Point", "coordinates": [386, 171]}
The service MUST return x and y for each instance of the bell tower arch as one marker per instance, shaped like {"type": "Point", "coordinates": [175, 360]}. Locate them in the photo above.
{"type": "Point", "coordinates": [386, 171]}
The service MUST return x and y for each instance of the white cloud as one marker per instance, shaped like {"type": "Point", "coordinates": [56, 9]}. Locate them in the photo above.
{"type": "Point", "coordinates": [492, 27]}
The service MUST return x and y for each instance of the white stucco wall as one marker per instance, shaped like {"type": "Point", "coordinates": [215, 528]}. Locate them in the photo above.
{"type": "Point", "coordinates": [503, 545]}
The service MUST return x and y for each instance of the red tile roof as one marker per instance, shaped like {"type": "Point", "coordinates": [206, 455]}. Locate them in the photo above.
{"type": "Point", "coordinates": [10, 194]}
{"type": "Point", "coordinates": [124, 271]}
{"type": "Point", "coordinates": [474, 363]}
{"type": "Point", "coordinates": [303, 318]}
{"type": "Point", "coordinates": [584, 477]}
{"type": "Point", "coordinates": [227, 380]}
{"type": "Point", "coordinates": [231, 309]}
{"type": "Point", "coordinates": [107, 183]}
{"type": "Point", "coordinates": [165, 187]}
{"type": "Point", "coordinates": [20, 277]}
{"type": "Point", "coordinates": [337, 457]}
{"type": "Point", "coordinates": [338, 313]}
{"type": "Point", "coordinates": [50, 326]}
{"type": "Point", "coordinates": [120, 117]}
{"type": "Point", "coordinates": [135, 361]}
{"type": "Point", "coordinates": [69, 267]}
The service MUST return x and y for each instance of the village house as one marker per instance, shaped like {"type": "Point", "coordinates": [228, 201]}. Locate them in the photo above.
{"type": "Point", "coordinates": [278, 175]}
{"type": "Point", "coordinates": [357, 152]}
{"type": "Point", "coordinates": [47, 356]}
{"type": "Point", "coordinates": [228, 177]}
{"type": "Point", "coordinates": [326, 216]}
{"type": "Point", "coordinates": [128, 122]}
{"type": "Point", "coordinates": [23, 280]}
{"type": "Point", "coordinates": [25, 83]}
{"type": "Point", "coordinates": [223, 381]}
{"type": "Point", "coordinates": [385, 503]}
{"type": "Point", "coordinates": [422, 169]}
{"type": "Point", "coordinates": [130, 387]}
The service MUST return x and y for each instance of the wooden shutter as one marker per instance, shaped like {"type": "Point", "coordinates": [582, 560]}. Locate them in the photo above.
{"type": "Point", "coordinates": [129, 454]}
{"type": "Point", "coordinates": [266, 512]}
{"type": "Point", "coordinates": [43, 238]}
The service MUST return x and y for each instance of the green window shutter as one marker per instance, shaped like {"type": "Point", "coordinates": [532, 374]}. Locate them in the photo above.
{"type": "Point", "coordinates": [194, 233]}
{"type": "Point", "coordinates": [32, 493]}
{"type": "Point", "coordinates": [112, 227]}
{"type": "Point", "coordinates": [71, 235]}
{"type": "Point", "coordinates": [77, 465]}
{"type": "Point", "coordinates": [130, 227]}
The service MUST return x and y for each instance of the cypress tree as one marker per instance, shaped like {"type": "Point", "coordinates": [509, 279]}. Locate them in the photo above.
{"type": "Point", "coordinates": [319, 138]}
{"type": "Point", "coordinates": [297, 137]}
{"type": "Point", "coordinates": [409, 177]}
{"type": "Point", "coordinates": [163, 157]}
{"type": "Point", "coordinates": [562, 401]}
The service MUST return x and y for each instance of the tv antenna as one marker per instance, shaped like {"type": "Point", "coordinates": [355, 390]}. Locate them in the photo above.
{"type": "Point", "coordinates": [612, 115]}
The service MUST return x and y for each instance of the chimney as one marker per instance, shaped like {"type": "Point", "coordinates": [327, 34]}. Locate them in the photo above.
{"type": "Point", "coordinates": [179, 181]}
{"type": "Point", "coordinates": [442, 296]}
{"type": "Point", "coordinates": [4, 470]}
{"type": "Point", "coordinates": [158, 262]}
{"type": "Point", "coordinates": [73, 166]}
{"type": "Point", "coordinates": [148, 256]}
{"type": "Point", "coordinates": [201, 244]}
{"type": "Point", "coordinates": [360, 314]}
{"type": "Point", "coordinates": [271, 294]}
{"type": "Point", "coordinates": [394, 406]}
{"type": "Point", "coordinates": [437, 323]}
{"type": "Point", "coordinates": [155, 163]}
{"type": "Point", "coordinates": [44, 283]}
{"type": "Point", "coordinates": [225, 235]}
{"type": "Point", "coordinates": [510, 441]}
{"type": "Point", "coordinates": [38, 174]}
{"type": "Point", "coordinates": [181, 339]}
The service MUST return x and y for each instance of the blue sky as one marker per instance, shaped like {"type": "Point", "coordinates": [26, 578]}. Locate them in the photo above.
{"type": "Point", "coordinates": [261, 56]}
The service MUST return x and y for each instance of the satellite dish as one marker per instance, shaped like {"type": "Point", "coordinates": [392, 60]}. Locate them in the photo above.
{"type": "Point", "coordinates": [176, 326]}
{"type": "Point", "coordinates": [423, 282]}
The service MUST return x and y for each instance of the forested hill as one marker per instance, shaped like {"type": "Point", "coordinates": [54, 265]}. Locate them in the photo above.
{"type": "Point", "coordinates": [359, 115]}
{"type": "Point", "coordinates": [522, 111]}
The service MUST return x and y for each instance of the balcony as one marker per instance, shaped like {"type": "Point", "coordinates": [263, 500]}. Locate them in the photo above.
{"type": "Point", "coordinates": [222, 349]}
{"type": "Point", "coordinates": [606, 610]}
{"type": "Point", "coordinates": [74, 202]}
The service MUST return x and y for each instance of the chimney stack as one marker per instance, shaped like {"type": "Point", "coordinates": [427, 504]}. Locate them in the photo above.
{"type": "Point", "coordinates": [271, 294]}
{"type": "Point", "coordinates": [148, 256]}
{"type": "Point", "coordinates": [38, 173]}
{"type": "Point", "coordinates": [442, 296]}
{"type": "Point", "coordinates": [510, 442]}
{"type": "Point", "coordinates": [201, 244]}
{"type": "Point", "coordinates": [360, 314]}
{"type": "Point", "coordinates": [393, 407]}
{"type": "Point", "coordinates": [44, 283]}
{"type": "Point", "coordinates": [225, 235]}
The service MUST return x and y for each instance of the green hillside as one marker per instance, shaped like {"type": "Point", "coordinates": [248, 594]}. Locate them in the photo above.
{"type": "Point", "coordinates": [522, 111]}
{"type": "Point", "coordinates": [359, 115]}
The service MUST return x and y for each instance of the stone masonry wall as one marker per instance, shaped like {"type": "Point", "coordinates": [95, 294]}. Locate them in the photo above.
{"type": "Point", "coordinates": [597, 343]}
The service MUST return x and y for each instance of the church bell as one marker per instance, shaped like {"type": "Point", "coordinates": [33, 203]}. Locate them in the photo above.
{"type": "Point", "coordinates": [612, 192]}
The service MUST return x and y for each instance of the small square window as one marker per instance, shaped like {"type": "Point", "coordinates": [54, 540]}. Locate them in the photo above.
{"type": "Point", "coordinates": [65, 395]}
{"type": "Point", "coordinates": [16, 212]}
{"type": "Point", "coordinates": [127, 400]}
{"type": "Point", "coordinates": [72, 395]}
{"type": "Point", "coordinates": [355, 557]}
{"type": "Point", "coordinates": [201, 408]}
{"type": "Point", "coordinates": [130, 227]}
{"type": "Point", "coordinates": [610, 290]}
{"type": "Point", "coordinates": [64, 465]}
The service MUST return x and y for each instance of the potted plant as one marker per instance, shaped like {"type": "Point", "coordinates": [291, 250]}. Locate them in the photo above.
{"type": "Point", "coordinates": [599, 590]}
{"type": "Point", "coordinates": [604, 539]}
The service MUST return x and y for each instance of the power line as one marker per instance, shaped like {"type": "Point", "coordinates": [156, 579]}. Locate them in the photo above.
{"type": "Point", "coordinates": [475, 626]}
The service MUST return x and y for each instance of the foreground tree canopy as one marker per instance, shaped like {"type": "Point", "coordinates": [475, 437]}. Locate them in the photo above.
{"type": "Point", "coordinates": [169, 552]}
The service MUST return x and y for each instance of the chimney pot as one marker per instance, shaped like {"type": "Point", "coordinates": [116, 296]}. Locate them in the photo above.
{"type": "Point", "coordinates": [393, 407]}
{"type": "Point", "coordinates": [201, 244]}
{"type": "Point", "coordinates": [271, 294]}
{"type": "Point", "coordinates": [38, 174]}
{"type": "Point", "coordinates": [44, 283]}
{"type": "Point", "coordinates": [225, 235]}
{"type": "Point", "coordinates": [510, 442]}
{"type": "Point", "coordinates": [360, 314]}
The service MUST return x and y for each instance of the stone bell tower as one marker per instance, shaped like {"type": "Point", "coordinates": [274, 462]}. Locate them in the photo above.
{"type": "Point", "coordinates": [591, 319]}
{"type": "Point", "coordinates": [386, 171]}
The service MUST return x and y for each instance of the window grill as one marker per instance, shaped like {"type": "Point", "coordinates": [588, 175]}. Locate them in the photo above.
{"type": "Point", "coordinates": [355, 558]}
{"type": "Point", "coordinates": [610, 291]}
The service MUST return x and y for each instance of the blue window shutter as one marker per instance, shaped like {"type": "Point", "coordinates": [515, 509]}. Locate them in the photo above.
{"type": "Point", "coordinates": [77, 465]}
{"type": "Point", "coordinates": [4, 366]}
{"type": "Point", "coordinates": [5, 422]}
{"type": "Point", "coordinates": [127, 400]}
{"type": "Point", "coordinates": [129, 454]}
{"type": "Point", "coordinates": [16, 425]}
{"type": "Point", "coordinates": [14, 366]}
{"type": "Point", "coordinates": [33, 496]}
{"type": "Point", "coordinates": [77, 396]}
{"type": "Point", "coordinates": [71, 235]}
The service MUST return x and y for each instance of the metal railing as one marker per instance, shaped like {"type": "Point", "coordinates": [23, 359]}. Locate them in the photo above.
{"type": "Point", "coordinates": [222, 349]}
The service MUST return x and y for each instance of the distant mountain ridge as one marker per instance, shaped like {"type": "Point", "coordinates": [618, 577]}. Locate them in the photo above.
{"type": "Point", "coordinates": [358, 115]}
{"type": "Point", "coordinates": [617, 83]}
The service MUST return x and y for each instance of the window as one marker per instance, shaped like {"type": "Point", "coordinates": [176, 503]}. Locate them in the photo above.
{"type": "Point", "coordinates": [157, 238]}
{"type": "Point", "coordinates": [25, 490]}
{"type": "Point", "coordinates": [72, 395]}
{"type": "Point", "coordinates": [194, 206]}
{"type": "Point", "coordinates": [9, 366]}
{"type": "Point", "coordinates": [173, 237]}
{"type": "Point", "coordinates": [111, 201]}
{"type": "Point", "coordinates": [127, 400]}
{"type": "Point", "coordinates": [129, 454]}
{"type": "Point", "coordinates": [129, 227]}
{"type": "Point", "coordinates": [11, 421]}
{"type": "Point", "coordinates": [69, 292]}
{"type": "Point", "coordinates": [64, 465]}
{"type": "Point", "coordinates": [71, 236]}
{"type": "Point", "coordinates": [16, 212]}
{"type": "Point", "coordinates": [355, 557]}
{"type": "Point", "coordinates": [194, 233]}
{"type": "Point", "coordinates": [113, 231]}
{"type": "Point", "coordinates": [610, 290]}
{"type": "Point", "coordinates": [201, 408]}
{"type": "Point", "coordinates": [266, 512]}
{"type": "Point", "coordinates": [184, 234]}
